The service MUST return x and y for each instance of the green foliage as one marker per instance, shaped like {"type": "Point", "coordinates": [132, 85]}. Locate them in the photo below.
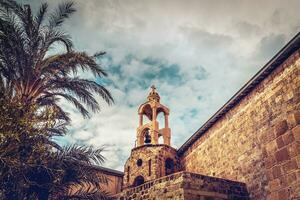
{"type": "Point", "coordinates": [32, 166]}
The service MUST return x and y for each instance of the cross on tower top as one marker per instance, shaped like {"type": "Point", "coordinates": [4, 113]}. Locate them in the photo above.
{"type": "Point", "coordinates": [153, 87]}
{"type": "Point", "coordinates": [153, 95]}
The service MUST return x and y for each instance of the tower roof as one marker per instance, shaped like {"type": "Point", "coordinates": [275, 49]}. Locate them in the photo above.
{"type": "Point", "coordinates": [153, 95]}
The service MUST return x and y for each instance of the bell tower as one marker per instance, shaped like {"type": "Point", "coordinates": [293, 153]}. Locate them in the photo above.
{"type": "Point", "coordinates": [150, 132]}
{"type": "Point", "coordinates": [150, 159]}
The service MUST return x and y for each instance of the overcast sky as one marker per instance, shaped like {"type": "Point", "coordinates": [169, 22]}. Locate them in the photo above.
{"type": "Point", "coordinates": [197, 53]}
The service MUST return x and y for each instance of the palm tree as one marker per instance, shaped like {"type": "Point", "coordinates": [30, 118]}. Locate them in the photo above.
{"type": "Point", "coordinates": [36, 78]}
{"type": "Point", "coordinates": [31, 85]}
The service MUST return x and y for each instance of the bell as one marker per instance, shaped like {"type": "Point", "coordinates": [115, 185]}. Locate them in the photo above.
{"type": "Point", "coordinates": [147, 138]}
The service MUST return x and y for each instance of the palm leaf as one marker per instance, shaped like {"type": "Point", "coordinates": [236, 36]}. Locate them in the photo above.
{"type": "Point", "coordinates": [41, 14]}
{"type": "Point", "coordinates": [64, 11]}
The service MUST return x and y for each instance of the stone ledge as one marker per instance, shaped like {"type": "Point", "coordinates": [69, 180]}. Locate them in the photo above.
{"type": "Point", "coordinates": [186, 185]}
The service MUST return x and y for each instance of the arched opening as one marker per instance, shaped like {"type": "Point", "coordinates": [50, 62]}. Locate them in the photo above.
{"type": "Point", "coordinates": [161, 119]}
{"type": "Point", "coordinates": [146, 110]}
{"type": "Point", "coordinates": [139, 180]}
{"type": "Point", "coordinates": [161, 139]}
{"type": "Point", "coordinates": [146, 120]}
{"type": "Point", "coordinates": [147, 136]}
{"type": "Point", "coordinates": [169, 166]}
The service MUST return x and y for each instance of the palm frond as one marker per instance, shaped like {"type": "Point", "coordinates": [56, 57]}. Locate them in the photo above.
{"type": "Point", "coordinates": [12, 6]}
{"type": "Point", "coordinates": [82, 194]}
{"type": "Point", "coordinates": [53, 36]}
{"type": "Point", "coordinates": [70, 62]}
{"type": "Point", "coordinates": [12, 46]}
{"type": "Point", "coordinates": [83, 89]}
{"type": "Point", "coordinates": [85, 154]}
{"type": "Point", "coordinates": [64, 11]}
{"type": "Point", "coordinates": [99, 54]}
{"type": "Point", "coordinates": [74, 101]}
{"type": "Point", "coordinates": [41, 14]}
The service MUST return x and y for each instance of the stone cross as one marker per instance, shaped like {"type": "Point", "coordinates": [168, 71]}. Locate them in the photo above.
{"type": "Point", "coordinates": [153, 88]}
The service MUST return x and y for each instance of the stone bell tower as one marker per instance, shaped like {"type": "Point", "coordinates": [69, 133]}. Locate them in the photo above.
{"type": "Point", "coordinates": [151, 159]}
{"type": "Point", "coordinates": [150, 132]}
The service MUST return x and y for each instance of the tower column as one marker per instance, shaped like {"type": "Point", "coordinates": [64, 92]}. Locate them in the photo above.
{"type": "Point", "coordinates": [141, 119]}
{"type": "Point", "coordinates": [154, 134]}
{"type": "Point", "coordinates": [166, 121]}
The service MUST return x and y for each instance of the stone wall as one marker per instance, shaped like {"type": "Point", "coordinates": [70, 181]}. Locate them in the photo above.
{"type": "Point", "coordinates": [258, 140]}
{"type": "Point", "coordinates": [114, 182]}
{"type": "Point", "coordinates": [114, 185]}
{"type": "Point", "coordinates": [189, 186]}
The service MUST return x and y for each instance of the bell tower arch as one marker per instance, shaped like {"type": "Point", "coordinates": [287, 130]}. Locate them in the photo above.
{"type": "Point", "coordinates": [151, 109]}
{"type": "Point", "coordinates": [150, 159]}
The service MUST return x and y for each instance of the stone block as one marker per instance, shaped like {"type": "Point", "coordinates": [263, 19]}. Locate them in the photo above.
{"type": "Point", "coordinates": [298, 160]}
{"type": "Point", "coordinates": [282, 155]}
{"type": "Point", "coordinates": [292, 177]}
{"type": "Point", "coordinates": [279, 142]}
{"type": "Point", "coordinates": [295, 191]}
{"type": "Point", "coordinates": [289, 166]}
{"type": "Point", "coordinates": [274, 185]}
{"type": "Point", "coordinates": [267, 136]}
{"type": "Point", "coordinates": [283, 181]}
{"type": "Point", "coordinates": [297, 117]}
{"type": "Point", "coordinates": [296, 132]}
{"type": "Point", "coordinates": [294, 148]}
{"type": "Point", "coordinates": [270, 161]}
{"type": "Point", "coordinates": [271, 147]}
{"type": "Point", "coordinates": [273, 196]}
{"type": "Point", "coordinates": [288, 138]}
{"type": "Point", "coordinates": [280, 128]}
{"type": "Point", "coordinates": [283, 194]}
{"type": "Point", "coordinates": [269, 174]}
{"type": "Point", "coordinates": [298, 175]}
{"type": "Point", "coordinates": [276, 171]}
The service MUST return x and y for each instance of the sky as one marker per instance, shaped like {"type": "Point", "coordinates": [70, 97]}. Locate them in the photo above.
{"type": "Point", "coordinates": [198, 54]}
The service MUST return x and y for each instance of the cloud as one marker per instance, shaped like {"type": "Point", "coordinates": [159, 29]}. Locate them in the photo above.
{"type": "Point", "coordinates": [197, 53]}
{"type": "Point", "coordinates": [269, 45]}
{"type": "Point", "coordinates": [247, 30]}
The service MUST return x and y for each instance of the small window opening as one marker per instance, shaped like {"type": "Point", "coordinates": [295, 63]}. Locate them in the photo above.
{"type": "Point", "coordinates": [139, 162]}
{"type": "Point", "coordinates": [169, 166]}
{"type": "Point", "coordinates": [149, 163]}
{"type": "Point", "coordinates": [147, 137]}
{"type": "Point", "coordinates": [138, 181]}
{"type": "Point", "coordinates": [128, 173]}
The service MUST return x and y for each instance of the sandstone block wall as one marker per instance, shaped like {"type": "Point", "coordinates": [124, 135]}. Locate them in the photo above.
{"type": "Point", "coordinates": [257, 141]}
{"type": "Point", "coordinates": [113, 186]}
{"type": "Point", "coordinates": [189, 186]}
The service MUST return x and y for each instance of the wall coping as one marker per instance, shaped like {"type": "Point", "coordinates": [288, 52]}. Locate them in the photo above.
{"type": "Point", "coordinates": [182, 174]}
{"type": "Point", "coordinates": [291, 47]}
